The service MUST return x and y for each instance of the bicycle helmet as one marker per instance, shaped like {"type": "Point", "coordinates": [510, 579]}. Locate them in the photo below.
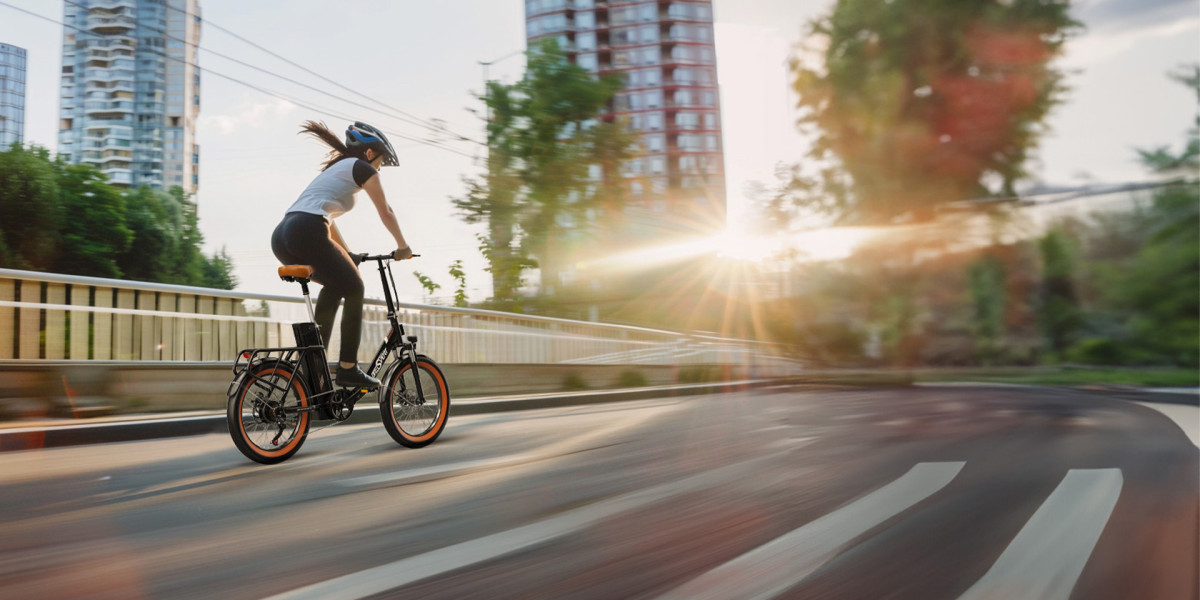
{"type": "Point", "coordinates": [363, 136]}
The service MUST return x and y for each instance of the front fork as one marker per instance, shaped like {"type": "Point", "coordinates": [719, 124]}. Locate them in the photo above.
{"type": "Point", "coordinates": [410, 348]}
{"type": "Point", "coordinates": [405, 348]}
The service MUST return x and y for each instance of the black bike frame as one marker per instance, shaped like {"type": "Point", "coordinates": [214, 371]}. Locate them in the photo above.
{"type": "Point", "coordinates": [396, 341]}
{"type": "Point", "coordinates": [405, 346]}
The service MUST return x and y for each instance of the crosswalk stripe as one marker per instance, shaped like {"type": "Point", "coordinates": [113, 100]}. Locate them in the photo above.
{"type": "Point", "coordinates": [1045, 559]}
{"type": "Point", "coordinates": [402, 572]}
{"type": "Point", "coordinates": [783, 562]}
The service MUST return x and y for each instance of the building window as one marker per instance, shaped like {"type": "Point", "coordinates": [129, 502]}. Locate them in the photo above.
{"type": "Point", "coordinates": [654, 99]}
{"type": "Point", "coordinates": [586, 41]}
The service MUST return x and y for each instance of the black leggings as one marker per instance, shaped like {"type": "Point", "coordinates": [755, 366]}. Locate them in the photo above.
{"type": "Point", "coordinates": [304, 239]}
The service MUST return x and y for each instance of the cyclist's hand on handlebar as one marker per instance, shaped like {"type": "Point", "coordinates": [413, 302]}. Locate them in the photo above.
{"type": "Point", "coordinates": [358, 258]}
{"type": "Point", "coordinates": [403, 253]}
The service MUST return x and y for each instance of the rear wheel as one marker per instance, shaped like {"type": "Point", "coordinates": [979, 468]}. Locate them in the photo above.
{"type": "Point", "coordinates": [263, 414]}
{"type": "Point", "coordinates": [411, 421]}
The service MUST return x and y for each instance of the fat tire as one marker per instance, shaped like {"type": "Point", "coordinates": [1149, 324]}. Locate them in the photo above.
{"type": "Point", "coordinates": [438, 397]}
{"type": "Point", "coordinates": [237, 426]}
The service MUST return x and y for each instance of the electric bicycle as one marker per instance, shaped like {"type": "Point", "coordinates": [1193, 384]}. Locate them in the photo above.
{"type": "Point", "coordinates": [277, 393]}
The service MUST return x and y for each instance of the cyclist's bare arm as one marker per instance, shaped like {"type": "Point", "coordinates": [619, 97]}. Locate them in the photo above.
{"type": "Point", "coordinates": [375, 191]}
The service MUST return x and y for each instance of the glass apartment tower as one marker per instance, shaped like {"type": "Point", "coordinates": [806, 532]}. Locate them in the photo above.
{"type": "Point", "coordinates": [664, 52]}
{"type": "Point", "coordinates": [12, 95]}
{"type": "Point", "coordinates": [131, 90]}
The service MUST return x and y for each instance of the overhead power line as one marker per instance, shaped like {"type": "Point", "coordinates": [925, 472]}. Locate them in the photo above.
{"type": "Point", "coordinates": [434, 125]}
{"type": "Point", "coordinates": [406, 119]}
{"type": "Point", "coordinates": [302, 104]}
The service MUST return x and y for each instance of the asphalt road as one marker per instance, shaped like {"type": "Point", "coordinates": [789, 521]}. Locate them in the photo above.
{"type": "Point", "coordinates": [791, 493]}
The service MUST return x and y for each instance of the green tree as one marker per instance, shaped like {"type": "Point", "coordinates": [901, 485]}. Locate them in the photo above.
{"type": "Point", "coordinates": [30, 209]}
{"type": "Point", "coordinates": [151, 217]}
{"type": "Point", "coordinates": [93, 233]}
{"type": "Point", "coordinates": [921, 102]}
{"type": "Point", "coordinates": [1061, 317]}
{"type": "Point", "coordinates": [544, 134]}
{"type": "Point", "coordinates": [218, 271]}
{"type": "Point", "coordinates": [1161, 158]}
{"type": "Point", "coordinates": [987, 288]}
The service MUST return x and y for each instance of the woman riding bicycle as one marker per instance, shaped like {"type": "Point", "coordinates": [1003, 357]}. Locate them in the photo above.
{"type": "Point", "coordinates": [308, 236]}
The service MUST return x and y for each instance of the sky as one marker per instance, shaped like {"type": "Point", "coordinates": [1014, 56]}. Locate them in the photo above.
{"type": "Point", "coordinates": [423, 58]}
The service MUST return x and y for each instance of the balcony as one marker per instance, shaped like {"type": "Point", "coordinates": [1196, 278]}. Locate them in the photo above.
{"type": "Point", "coordinates": [113, 5]}
{"type": "Point", "coordinates": [119, 176]}
{"type": "Point", "coordinates": [110, 24]}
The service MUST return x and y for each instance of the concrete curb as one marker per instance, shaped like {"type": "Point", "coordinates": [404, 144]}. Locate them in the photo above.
{"type": "Point", "coordinates": [132, 427]}
{"type": "Point", "coordinates": [33, 435]}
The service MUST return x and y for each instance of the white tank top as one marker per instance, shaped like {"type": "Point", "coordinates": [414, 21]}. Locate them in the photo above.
{"type": "Point", "coordinates": [332, 192]}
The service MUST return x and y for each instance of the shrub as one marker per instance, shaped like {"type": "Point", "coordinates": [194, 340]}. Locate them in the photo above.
{"type": "Point", "coordinates": [632, 378]}
{"type": "Point", "coordinates": [574, 381]}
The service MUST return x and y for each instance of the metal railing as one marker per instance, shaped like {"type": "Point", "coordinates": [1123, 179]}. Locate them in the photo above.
{"type": "Point", "coordinates": [47, 316]}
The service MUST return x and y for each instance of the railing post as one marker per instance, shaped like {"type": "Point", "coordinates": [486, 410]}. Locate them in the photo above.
{"type": "Point", "coordinates": [29, 337]}
{"type": "Point", "coordinates": [56, 322]}
{"type": "Point", "coordinates": [223, 346]}
{"type": "Point", "coordinates": [149, 326]}
{"type": "Point", "coordinates": [123, 331]}
{"type": "Point", "coordinates": [172, 342]}
{"type": "Point", "coordinates": [102, 325]}
{"type": "Point", "coordinates": [208, 349]}
{"type": "Point", "coordinates": [191, 340]}
{"type": "Point", "coordinates": [8, 293]}
{"type": "Point", "coordinates": [80, 322]}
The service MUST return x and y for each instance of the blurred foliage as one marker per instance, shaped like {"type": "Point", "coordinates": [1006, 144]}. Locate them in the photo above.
{"type": "Point", "coordinates": [544, 132]}
{"type": "Point", "coordinates": [987, 279]}
{"type": "Point", "coordinates": [918, 103]}
{"type": "Point", "coordinates": [1060, 313]}
{"type": "Point", "coordinates": [64, 218]}
{"type": "Point", "coordinates": [1110, 289]}
{"type": "Point", "coordinates": [460, 278]}
{"type": "Point", "coordinates": [574, 382]}
{"type": "Point", "coordinates": [632, 378]}
{"type": "Point", "coordinates": [1162, 158]}
{"type": "Point", "coordinates": [427, 284]}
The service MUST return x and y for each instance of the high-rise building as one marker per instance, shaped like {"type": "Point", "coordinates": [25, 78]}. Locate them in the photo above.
{"type": "Point", "coordinates": [664, 52]}
{"type": "Point", "coordinates": [131, 90]}
{"type": "Point", "coordinates": [12, 95]}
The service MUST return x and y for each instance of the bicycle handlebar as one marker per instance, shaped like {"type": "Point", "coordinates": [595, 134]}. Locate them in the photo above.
{"type": "Point", "coordinates": [379, 257]}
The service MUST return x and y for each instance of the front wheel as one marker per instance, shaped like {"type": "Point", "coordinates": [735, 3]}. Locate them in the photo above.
{"type": "Point", "coordinates": [410, 420]}
{"type": "Point", "coordinates": [265, 415]}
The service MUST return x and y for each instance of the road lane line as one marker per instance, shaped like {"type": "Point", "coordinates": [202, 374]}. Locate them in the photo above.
{"type": "Point", "coordinates": [402, 572]}
{"type": "Point", "coordinates": [592, 439]}
{"type": "Point", "coordinates": [1045, 559]}
{"type": "Point", "coordinates": [1187, 417]}
{"type": "Point", "coordinates": [783, 562]}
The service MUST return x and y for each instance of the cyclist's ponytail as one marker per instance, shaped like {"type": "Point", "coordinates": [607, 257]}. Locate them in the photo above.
{"type": "Point", "coordinates": [337, 149]}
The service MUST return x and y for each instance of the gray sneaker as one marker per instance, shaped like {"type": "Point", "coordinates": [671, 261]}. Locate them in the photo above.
{"type": "Point", "coordinates": [355, 378]}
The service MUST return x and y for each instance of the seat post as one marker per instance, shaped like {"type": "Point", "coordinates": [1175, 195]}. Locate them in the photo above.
{"type": "Point", "coordinates": [312, 316]}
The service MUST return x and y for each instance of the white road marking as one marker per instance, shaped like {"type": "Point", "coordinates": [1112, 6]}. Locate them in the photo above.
{"type": "Point", "coordinates": [590, 439]}
{"type": "Point", "coordinates": [1045, 559]}
{"type": "Point", "coordinates": [1186, 416]}
{"type": "Point", "coordinates": [402, 572]}
{"type": "Point", "coordinates": [783, 562]}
